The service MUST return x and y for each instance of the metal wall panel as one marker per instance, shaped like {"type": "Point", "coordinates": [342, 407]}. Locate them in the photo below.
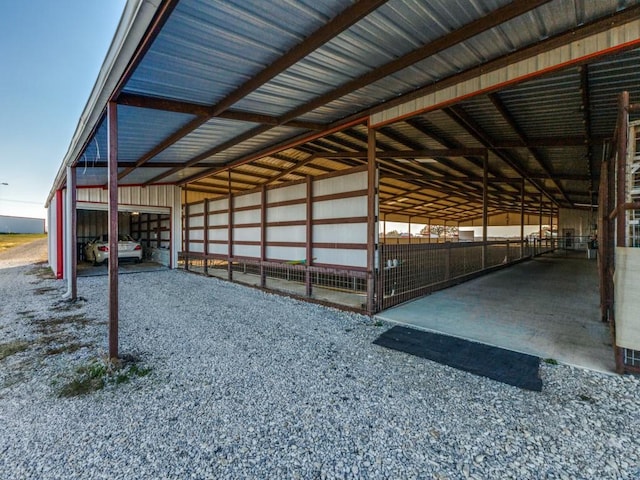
{"type": "Point", "coordinates": [340, 208]}
{"type": "Point", "coordinates": [243, 234]}
{"type": "Point", "coordinates": [153, 195]}
{"type": "Point", "coordinates": [340, 233]}
{"type": "Point", "coordinates": [335, 256]}
{"type": "Point", "coordinates": [341, 184]}
{"type": "Point", "coordinates": [10, 224]}
{"type": "Point", "coordinates": [295, 233]}
{"type": "Point", "coordinates": [252, 251]}
{"type": "Point", "coordinates": [285, 253]}
{"type": "Point", "coordinates": [291, 192]}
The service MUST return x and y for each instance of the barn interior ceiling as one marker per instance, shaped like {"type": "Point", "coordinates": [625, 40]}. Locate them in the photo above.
{"type": "Point", "coordinates": [225, 98]}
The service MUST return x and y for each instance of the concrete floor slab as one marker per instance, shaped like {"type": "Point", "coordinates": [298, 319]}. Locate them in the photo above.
{"type": "Point", "coordinates": [548, 307]}
{"type": "Point", "coordinates": [87, 269]}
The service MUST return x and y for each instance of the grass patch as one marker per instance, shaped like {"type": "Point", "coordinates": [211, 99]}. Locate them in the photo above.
{"type": "Point", "coordinates": [66, 306]}
{"type": "Point", "coordinates": [66, 348]}
{"type": "Point", "coordinates": [551, 361]}
{"type": "Point", "coordinates": [11, 348]}
{"type": "Point", "coordinates": [97, 374]}
{"type": "Point", "coordinates": [42, 271]}
{"type": "Point", "coordinates": [10, 240]}
{"type": "Point", "coordinates": [54, 326]}
{"type": "Point", "coordinates": [43, 290]}
{"type": "Point", "coordinates": [378, 323]}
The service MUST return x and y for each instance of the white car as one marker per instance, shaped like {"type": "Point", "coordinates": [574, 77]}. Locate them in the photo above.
{"type": "Point", "coordinates": [97, 250]}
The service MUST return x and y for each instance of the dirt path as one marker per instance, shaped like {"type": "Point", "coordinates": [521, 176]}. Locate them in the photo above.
{"type": "Point", "coordinates": [27, 254]}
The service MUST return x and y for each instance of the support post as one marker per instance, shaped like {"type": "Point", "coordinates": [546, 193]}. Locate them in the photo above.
{"type": "Point", "coordinates": [621, 193]}
{"type": "Point", "coordinates": [540, 221]}
{"type": "Point", "coordinates": [187, 227]}
{"type": "Point", "coordinates": [263, 235]}
{"type": "Point", "coordinates": [72, 235]}
{"type": "Point", "coordinates": [522, 191]}
{"type": "Point", "coordinates": [59, 236]}
{"type": "Point", "coordinates": [371, 220]}
{"type": "Point", "coordinates": [309, 235]}
{"type": "Point", "coordinates": [551, 227]}
{"type": "Point", "coordinates": [230, 231]}
{"type": "Point", "coordinates": [205, 248]}
{"type": "Point", "coordinates": [485, 212]}
{"type": "Point", "coordinates": [112, 173]}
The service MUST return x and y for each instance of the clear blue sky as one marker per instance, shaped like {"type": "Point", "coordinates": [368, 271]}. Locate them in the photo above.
{"type": "Point", "coordinates": [50, 54]}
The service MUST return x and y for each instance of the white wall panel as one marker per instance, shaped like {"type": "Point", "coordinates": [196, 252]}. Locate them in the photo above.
{"type": "Point", "coordinates": [154, 195]}
{"type": "Point", "coordinates": [196, 235]}
{"type": "Point", "coordinates": [246, 216]}
{"type": "Point", "coordinates": [247, 200]}
{"type": "Point", "coordinates": [251, 234]}
{"type": "Point", "coordinates": [295, 233]}
{"type": "Point", "coordinates": [218, 248]}
{"type": "Point", "coordinates": [196, 208]}
{"type": "Point", "coordinates": [221, 204]}
{"type": "Point", "coordinates": [218, 234]}
{"type": "Point", "coordinates": [345, 183]}
{"type": "Point", "coordinates": [340, 233]}
{"type": "Point", "coordinates": [246, 251]}
{"type": "Point", "coordinates": [196, 221]}
{"type": "Point", "coordinates": [286, 253]}
{"type": "Point", "coordinates": [196, 247]}
{"type": "Point", "coordinates": [332, 256]}
{"type": "Point", "coordinates": [292, 192]}
{"type": "Point", "coordinates": [340, 208]}
{"type": "Point", "coordinates": [287, 213]}
{"type": "Point", "coordinates": [216, 219]}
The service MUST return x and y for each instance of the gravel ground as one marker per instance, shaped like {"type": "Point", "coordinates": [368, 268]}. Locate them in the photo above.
{"type": "Point", "coordinates": [246, 384]}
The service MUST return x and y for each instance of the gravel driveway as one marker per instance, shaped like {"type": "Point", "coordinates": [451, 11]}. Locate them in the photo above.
{"type": "Point", "coordinates": [246, 384]}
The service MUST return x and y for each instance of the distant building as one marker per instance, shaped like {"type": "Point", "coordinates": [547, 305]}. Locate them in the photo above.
{"type": "Point", "coordinates": [21, 225]}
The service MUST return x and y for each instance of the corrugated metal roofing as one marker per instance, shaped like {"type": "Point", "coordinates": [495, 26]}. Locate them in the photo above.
{"type": "Point", "coordinates": [213, 133]}
{"type": "Point", "coordinates": [141, 129]}
{"type": "Point", "coordinates": [206, 50]}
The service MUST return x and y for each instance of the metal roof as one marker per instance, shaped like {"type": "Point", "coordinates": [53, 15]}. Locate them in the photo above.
{"type": "Point", "coordinates": [270, 89]}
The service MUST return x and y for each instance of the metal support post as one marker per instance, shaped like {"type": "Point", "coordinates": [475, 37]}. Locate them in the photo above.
{"type": "Point", "coordinates": [112, 173]}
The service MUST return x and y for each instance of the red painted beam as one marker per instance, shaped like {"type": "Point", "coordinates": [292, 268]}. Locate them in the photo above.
{"type": "Point", "coordinates": [59, 236]}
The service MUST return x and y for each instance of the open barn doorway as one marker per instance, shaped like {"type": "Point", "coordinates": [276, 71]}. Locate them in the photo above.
{"type": "Point", "coordinates": [144, 239]}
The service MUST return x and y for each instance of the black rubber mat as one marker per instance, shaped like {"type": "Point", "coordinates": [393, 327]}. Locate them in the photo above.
{"type": "Point", "coordinates": [512, 368]}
